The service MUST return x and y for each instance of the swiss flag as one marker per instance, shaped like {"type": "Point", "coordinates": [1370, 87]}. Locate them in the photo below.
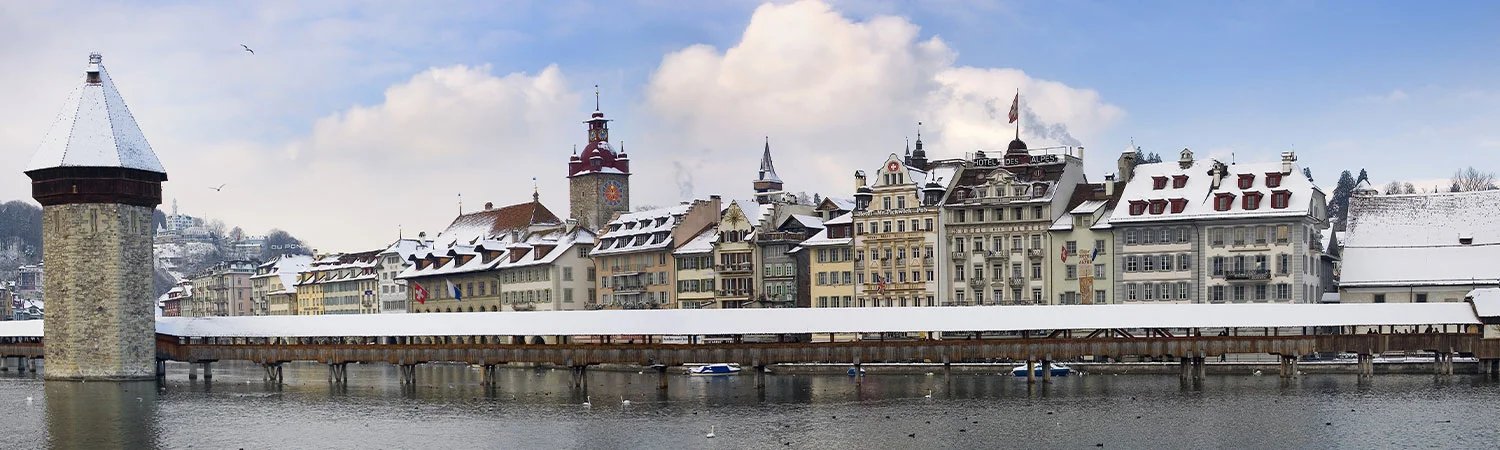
{"type": "Point", "coordinates": [419, 293]}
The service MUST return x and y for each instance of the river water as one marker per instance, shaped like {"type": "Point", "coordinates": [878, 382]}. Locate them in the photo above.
{"type": "Point", "coordinates": [539, 409]}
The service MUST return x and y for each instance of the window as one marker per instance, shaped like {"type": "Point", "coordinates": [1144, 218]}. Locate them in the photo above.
{"type": "Point", "coordinates": [1184, 261]}
{"type": "Point", "coordinates": [1148, 291]}
{"type": "Point", "coordinates": [958, 215]}
{"type": "Point", "coordinates": [1216, 293]}
{"type": "Point", "coordinates": [1015, 272]}
{"type": "Point", "coordinates": [1137, 207]}
{"type": "Point", "coordinates": [927, 224]}
{"type": "Point", "coordinates": [1260, 234]}
{"type": "Point", "coordinates": [1178, 205]}
{"type": "Point", "coordinates": [1130, 236]}
{"type": "Point", "coordinates": [1148, 236]}
{"type": "Point", "coordinates": [1280, 199]}
{"type": "Point", "coordinates": [1131, 264]}
{"type": "Point", "coordinates": [1273, 179]}
{"type": "Point", "coordinates": [1036, 212]}
{"type": "Point", "coordinates": [567, 274]}
{"type": "Point", "coordinates": [1072, 271]}
{"type": "Point", "coordinates": [1036, 271]}
{"type": "Point", "coordinates": [1183, 234]}
{"type": "Point", "coordinates": [1252, 200]}
{"type": "Point", "coordinates": [1036, 295]}
{"type": "Point", "coordinates": [1166, 263]}
{"type": "Point", "coordinates": [1130, 291]}
{"type": "Point", "coordinates": [900, 226]}
{"type": "Point", "coordinates": [885, 226]}
{"type": "Point", "coordinates": [1179, 181]}
{"type": "Point", "coordinates": [979, 215]}
{"type": "Point", "coordinates": [901, 202]}
{"type": "Point", "coordinates": [1158, 206]}
{"type": "Point", "coordinates": [1036, 241]}
{"type": "Point", "coordinates": [1166, 236]}
{"type": "Point", "coordinates": [1099, 272]}
{"type": "Point", "coordinates": [859, 228]}
{"type": "Point", "coordinates": [1182, 290]}
{"type": "Point", "coordinates": [1072, 247]}
{"type": "Point", "coordinates": [1260, 292]}
{"type": "Point", "coordinates": [1216, 237]}
{"type": "Point", "coordinates": [1223, 201]}
{"type": "Point", "coordinates": [1283, 234]}
{"type": "Point", "coordinates": [958, 272]}
{"type": "Point", "coordinates": [1379, 298]}
{"type": "Point", "coordinates": [1283, 291]}
{"type": "Point", "coordinates": [1421, 298]}
{"type": "Point", "coordinates": [1239, 235]}
{"type": "Point", "coordinates": [1148, 263]}
{"type": "Point", "coordinates": [1218, 265]}
{"type": "Point", "coordinates": [1283, 264]}
{"type": "Point", "coordinates": [885, 201]}
{"type": "Point", "coordinates": [1239, 293]}
{"type": "Point", "coordinates": [1099, 246]}
{"type": "Point", "coordinates": [1247, 180]}
{"type": "Point", "coordinates": [1158, 182]}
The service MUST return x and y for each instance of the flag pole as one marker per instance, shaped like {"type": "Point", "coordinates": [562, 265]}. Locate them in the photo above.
{"type": "Point", "coordinates": [1018, 114]}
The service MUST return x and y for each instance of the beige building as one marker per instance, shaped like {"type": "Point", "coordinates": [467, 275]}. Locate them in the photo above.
{"type": "Point", "coordinates": [273, 288]}
{"type": "Point", "coordinates": [830, 263]}
{"type": "Point", "coordinates": [734, 255]}
{"type": "Point", "coordinates": [634, 254]}
{"type": "Point", "coordinates": [896, 231]}
{"type": "Point", "coordinates": [394, 260]}
{"type": "Point", "coordinates": [339, 284]}
{"type": "Point", "coordinates": [224, 290]}
{"type": "Point", "coordinates": [696, 279]}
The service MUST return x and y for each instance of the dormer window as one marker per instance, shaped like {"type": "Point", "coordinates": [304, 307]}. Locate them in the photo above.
{"type": "Point", "coordinates": [1247, 180]}
{"type": "Point", "coordinates": [1158, 183]}
{"type": "Point", "coordinates": [1158, 206]}
{"type": "Point", "coordinates": [1178, 204]}
{"type": "Point", "coordinates": [1252, 200]}
{"type": "Point", "coordinates": [1223, 201]}
{"type": "Point", "coordinates": [1465, 240]}
{"type": "Point", "coordinates": [1273, 179]}
{"type": "Point", "coordinates": [1280, 199]}
{"type": "Point", "coordinates": [1137, 207]}
{"type": "Point", "coordinates": [1179, 181]}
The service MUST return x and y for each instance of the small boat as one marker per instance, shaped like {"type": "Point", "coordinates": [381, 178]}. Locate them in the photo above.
{"type": "Point", "coordinates": [1058, 370]}
{"type": "Point", "coordinates": [715, 369]}
{"type": "Point", "coordinates": [855, 372]}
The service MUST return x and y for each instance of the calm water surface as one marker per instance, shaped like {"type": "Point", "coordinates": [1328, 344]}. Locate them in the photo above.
{"type": "Point", "coordinates": [537, 409]}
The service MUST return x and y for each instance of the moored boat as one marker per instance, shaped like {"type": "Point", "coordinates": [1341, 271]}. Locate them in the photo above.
{"type": "Point", "coordinates": [1058, 370]}
{"type": "Point", "coordinates": [715, 369]}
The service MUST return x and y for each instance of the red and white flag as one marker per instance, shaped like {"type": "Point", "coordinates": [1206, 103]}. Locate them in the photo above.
{"type": "Point", "coordinates": [1015, 108]}
{"type": "Point", "coordinates": [419, 293]}
{"type": "Point", "coordinates": [1064, 253]}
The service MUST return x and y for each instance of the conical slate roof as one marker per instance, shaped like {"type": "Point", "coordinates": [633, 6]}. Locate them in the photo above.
{"type": "Point", "coordinates": [95, 129]}
{"type": "Point", "coordinates": [767, 169]}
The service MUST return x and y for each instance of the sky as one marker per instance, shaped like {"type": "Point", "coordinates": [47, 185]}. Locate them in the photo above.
{"type": "Point", "coordinates": [353, 123]}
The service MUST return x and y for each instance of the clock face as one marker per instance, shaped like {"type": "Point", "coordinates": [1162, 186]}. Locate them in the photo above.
{"type": "Point", "coordinates": [612, 192]}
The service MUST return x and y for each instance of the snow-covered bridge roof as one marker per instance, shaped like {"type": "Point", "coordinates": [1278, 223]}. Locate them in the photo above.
{"type": "Point", "coordinates": [808, 320]}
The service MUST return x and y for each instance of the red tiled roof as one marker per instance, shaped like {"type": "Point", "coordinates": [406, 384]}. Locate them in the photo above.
{"type": "Point", "coordinates": [506, 218]}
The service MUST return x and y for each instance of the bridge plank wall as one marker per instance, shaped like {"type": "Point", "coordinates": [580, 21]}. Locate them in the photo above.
{"type": "Point", "coordinates": [948, 350]}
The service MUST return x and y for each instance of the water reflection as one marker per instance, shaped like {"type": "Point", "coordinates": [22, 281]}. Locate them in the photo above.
{"type": "Point", "coordinates": [101, 415]}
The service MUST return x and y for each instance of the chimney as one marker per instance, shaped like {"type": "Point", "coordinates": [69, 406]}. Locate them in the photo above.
{"type": "Point", "coordinates": [1109, 185]}
{"type": "Point", "coordinates": [488, 206]}
{"type": "Point", "coordinates": [1287, 158]}
{"type": "Point", "coordinates": [422, 235]}
{"type": "Point", "coordinates": [715, 202]}
{"type": "Point", "coordinates": [1080, 153]}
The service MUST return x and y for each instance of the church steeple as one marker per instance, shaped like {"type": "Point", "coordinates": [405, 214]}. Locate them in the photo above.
{"type": "Point", "coordinates": [767, 183]}
{"type": "Point", "coordinates": [918, 156]}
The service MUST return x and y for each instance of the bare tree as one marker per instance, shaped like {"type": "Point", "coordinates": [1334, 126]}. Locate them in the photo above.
{"type": "Point", "coordinates": [1471, 179]}
{"type": "Point", "coordinates": [1408, 188]}
{"type": "Point", "coordinates": [1393, 187]}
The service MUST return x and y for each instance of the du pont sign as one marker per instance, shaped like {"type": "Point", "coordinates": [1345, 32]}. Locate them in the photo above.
{"type": "Point", "coordinates": [1018, 160]}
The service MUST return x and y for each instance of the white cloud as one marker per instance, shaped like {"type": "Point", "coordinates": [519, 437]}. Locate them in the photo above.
{"type": "Point", "coordinates": [836, 95]}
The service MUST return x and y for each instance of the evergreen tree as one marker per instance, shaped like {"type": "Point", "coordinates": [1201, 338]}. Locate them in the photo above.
{"type": "Point", "coordinates": [1338, 204]}
{"type": "Point", "coordinates": [1307, 172]}
{"type": "Point", "coordinates": [1362, 176]}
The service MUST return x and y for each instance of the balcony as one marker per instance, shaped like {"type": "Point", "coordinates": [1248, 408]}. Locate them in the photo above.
{"type": "Point", "coordinates": [733, 267]}
{"type": "Point", "coordinates": [900, 262]}
{"type": "Point", "coordinates": [859, 264]}
{"type": "Point", "coordinates": [1247, 275]}
{"type": "Point", "coordinates": [1017, 282]}
{"type": "Point", "coordinates": [926, 261]}
{"type": "Point", "coordinates": [885, 262]}
{"type": "Point", "coordinates": [732, 293]}
{"type": "Point", "coordinates": [976, 283]}
{"type": "Point", "coordinates": [1034, 253]}
{"type": "Point", "coordinates": [997, 255]}
{"type": "Point", "coordinates": [784, 236]}
{"type": "Point", "coordinates": [629, 289]}
{"type": "Point", "coordinates": [958, 255]}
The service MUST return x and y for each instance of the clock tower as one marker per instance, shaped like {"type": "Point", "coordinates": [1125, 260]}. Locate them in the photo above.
{"type": "Point", "coordinates": [598, 177]}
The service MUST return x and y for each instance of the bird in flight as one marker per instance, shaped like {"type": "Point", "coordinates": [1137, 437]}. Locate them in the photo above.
{"type": "Point", "coordinates": [247, 48]}
{"type": "Point", "coordinates": [217, 189]}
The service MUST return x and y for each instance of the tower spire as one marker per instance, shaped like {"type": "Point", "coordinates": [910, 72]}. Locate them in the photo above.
{"type": "Point", "coordinates": [596, 97]}
{"type": "Point", "coordinates": [767, 182]}
{"type": "Point", "coordinates": [536, 195]}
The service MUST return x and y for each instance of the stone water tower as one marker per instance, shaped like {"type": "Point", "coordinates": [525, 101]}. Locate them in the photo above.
{"type": "Point", "coordinates": [98, 182]}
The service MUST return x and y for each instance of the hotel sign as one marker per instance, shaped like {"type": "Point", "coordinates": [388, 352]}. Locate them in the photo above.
{"type": "Point", "coordinates": [1018, 160]}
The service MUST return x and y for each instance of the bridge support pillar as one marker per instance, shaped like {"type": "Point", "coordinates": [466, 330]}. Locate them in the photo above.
{"type": "Point", "coordinates": [1366, 364]}
{"type": "Point", "coordinates": [1200, 368]}
{"type": "Point", "coordinates": [1030, 371]}
{"type": "Point", "coordinates": [580, 376]}
{"type": "Point", "coordinates": [1286, 367]}
{"type": "Point", "coordinates": [1185, 368]}
{"type": "Point", "coordinates": [1047, 369]}
{"type": "Point", "coordinates": [487, 375]}
{"type": "Point", "coordinates": [272, 371]}
{"type": "Point", "coordinates": [338, 373]}
{"type": "Point", "coordinates": [408, 373]}
{"type": "Point", "coordinates": [760, 377]}
{"type": "Point", "coordinates": [661, 377]}
{"type": "Point", "coordinates": [161, 369]}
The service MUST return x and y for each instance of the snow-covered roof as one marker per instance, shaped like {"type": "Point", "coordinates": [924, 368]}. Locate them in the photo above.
{"type": "Point", "coordinates": [490, 223]}
{"type": "Point", "coordinates": [1414, 239]}
{"type": "Point", "coordinates": [1486, 301]}
{"type": "Point", "coordinates": [821, 239]}
{"type": "Point", "coordinates": [702, 243]}
{"type": "Point", "coordinates": [1089, 207]}
{"type": "Point", "coordinates": [1199, 193]}
{"type": "Point", "coordinates": [286, 267]}
{"type": "Point", "coordinates": [405, 248]}
{"type": "Point", "coordinates": [808, 221]}
{"type": "Point", "coordinates": [95, 129]}
{"type": "Point", "coordinates": [532, 248]}
{"type": "Point", "coordinates": [808, 320]}
{"type": "Point", "coordinates": [843, 219]}
{"type": "Point", "coordinates": [843, 204]}
{"type": "Point", "coordinates": [639, 231]}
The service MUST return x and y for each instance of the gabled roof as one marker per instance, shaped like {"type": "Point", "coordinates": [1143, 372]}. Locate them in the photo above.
{"type": "Point", "coordinates": [490, 223]}
{"type": "Point", "coordinates": [640, 231]}
{"type": "Point", "coordinates": [95, 129]}
{"type": "Point", "coordinates": [1414, 239]}
{"type": "Point", "coordinates": [1199, 193]}
{"type": "Point", "coordinates": [702, 243]}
